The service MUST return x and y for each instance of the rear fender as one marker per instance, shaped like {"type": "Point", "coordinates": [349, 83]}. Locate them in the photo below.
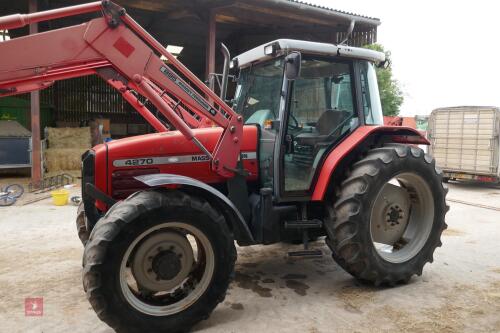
{"type": "Point", "coordinates": [363, 138]}
{"type": "Point", "coordinates": [221, 202]}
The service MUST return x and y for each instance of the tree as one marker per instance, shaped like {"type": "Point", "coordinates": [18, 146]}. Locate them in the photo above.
{"type": "Point", "coordinates": [391, 95]}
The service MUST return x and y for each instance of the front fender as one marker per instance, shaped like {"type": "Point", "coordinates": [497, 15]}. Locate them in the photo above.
{"type": "Point", "coordinates": [237, 223]}
{"type": "Point", "coordinates": [359, 138]}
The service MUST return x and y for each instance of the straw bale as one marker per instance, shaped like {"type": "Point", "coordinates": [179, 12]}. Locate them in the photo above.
{"type": "Point", "coordinates": [69, 137]}
{"type": "Point", "coordinates": [63, 159]}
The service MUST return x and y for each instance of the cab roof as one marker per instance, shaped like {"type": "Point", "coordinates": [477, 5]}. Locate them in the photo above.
{"type": "Point", "coordinates": [285, 46]}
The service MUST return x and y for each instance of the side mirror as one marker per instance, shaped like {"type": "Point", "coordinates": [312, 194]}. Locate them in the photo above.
{"type": "Point", "coordinates": [292, 65]}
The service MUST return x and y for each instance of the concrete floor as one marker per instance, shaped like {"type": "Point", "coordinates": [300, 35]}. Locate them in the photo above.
{"type": "Point", "coordinates": [40, 256]}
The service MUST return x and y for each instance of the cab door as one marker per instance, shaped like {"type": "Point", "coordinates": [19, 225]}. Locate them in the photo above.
{"type": "Point", "coordinates": [259, 99]}
{"type": "Point", "coordinates": [320, 111]}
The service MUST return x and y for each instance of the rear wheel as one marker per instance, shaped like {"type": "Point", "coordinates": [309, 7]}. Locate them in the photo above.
{"type": "Point", "coordinates": [389, 215]}
{"type": "Point", "coordinates": [158, 262]}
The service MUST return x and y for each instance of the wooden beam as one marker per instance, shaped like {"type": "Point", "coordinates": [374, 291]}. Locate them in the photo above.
{"type": "Point", "coordinates": [267, 23]}
{"type": "Point", "coordinates": [244, 8]}
{"type": "Point", "coordinates": [181, 14]}
{"type": "Point", "coordinates": [36, 142]}
{"type": "Point", "coordinates": [150, 5]}
{"type": "Point", "coordinates": [263, 21]}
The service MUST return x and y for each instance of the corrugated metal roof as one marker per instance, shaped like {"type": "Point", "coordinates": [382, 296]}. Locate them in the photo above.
{"type": "Point", "coordinates": [332, 9]}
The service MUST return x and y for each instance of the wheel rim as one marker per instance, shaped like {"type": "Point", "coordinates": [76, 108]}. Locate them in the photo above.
{"type": "Point", "coordinates": [6, 200]}
{"type": "Point", "coordinates": [167, 269]}
{"type": "Point", "coordinates": [14, 190]}
{"type": "Point", "coordinates": [401, 218]}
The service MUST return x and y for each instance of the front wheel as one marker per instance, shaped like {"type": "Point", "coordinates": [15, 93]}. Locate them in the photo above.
{"type": "Point", "coordinates": [158, 262]}
{"type": "Point", "coordinates": [389, 215]}
{"type": "Point", "coordinates": [81, 224]}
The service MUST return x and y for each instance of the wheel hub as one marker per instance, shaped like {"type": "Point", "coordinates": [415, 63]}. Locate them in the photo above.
{"type": "Point", "coordinates": [166, 265]}
{"type": "Point", "coordinates": [390, 215]}
{"type": "Point", "coordinates": [394, 215]}
{"type": "Point", "coordinates": [162, 261]}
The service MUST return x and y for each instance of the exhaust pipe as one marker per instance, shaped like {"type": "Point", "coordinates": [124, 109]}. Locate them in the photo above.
{"type": "Point", "coordinates": [225, 71]}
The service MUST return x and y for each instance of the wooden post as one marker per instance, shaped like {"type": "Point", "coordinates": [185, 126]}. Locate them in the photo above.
{"type": "Point", "coordinates": [36, 152]}
{"type": "Point", "coordinates": [211, 40]}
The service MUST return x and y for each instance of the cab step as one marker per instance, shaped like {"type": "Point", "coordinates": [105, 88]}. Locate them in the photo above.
{"type": "Point", "coordinates": [304, 224]}
{"type": "Point", "coordinates": [306, 254]}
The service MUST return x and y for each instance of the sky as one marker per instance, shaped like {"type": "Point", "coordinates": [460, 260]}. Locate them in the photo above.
{"type": "Point", "coordinates": [444, 52]}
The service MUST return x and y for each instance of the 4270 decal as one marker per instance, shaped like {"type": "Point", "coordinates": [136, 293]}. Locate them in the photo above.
{"type": "Point", "coordinates": [138, 161]}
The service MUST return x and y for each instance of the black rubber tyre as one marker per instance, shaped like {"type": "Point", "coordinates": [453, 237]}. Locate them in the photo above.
{"type": "Point", "coordinates": [348, 225]}
{"type": "Point", "coordinates": [81, 227]}
{"type": "Point", "coordinates": [123, 223]}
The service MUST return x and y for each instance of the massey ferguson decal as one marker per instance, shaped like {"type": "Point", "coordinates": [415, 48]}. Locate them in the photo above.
{"type": "Point", "coordinates": [173, 160]}
{"type": "Point", "coordinates": [187, 89]}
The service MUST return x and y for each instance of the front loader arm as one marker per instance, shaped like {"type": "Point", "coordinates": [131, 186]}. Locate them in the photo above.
{"type": "Point", "coordinates": [125, 55]}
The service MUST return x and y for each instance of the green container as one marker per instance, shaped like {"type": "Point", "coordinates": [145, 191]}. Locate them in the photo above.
{"type": "Point", "coordinates": [15, 108]}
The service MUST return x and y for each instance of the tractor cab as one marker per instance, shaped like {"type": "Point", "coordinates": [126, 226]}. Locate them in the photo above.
{"type": "Point", "coordinates": [305, 97]}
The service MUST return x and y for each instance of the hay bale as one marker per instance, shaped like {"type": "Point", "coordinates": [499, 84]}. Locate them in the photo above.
{"type": "Point", "coordinates": [63, 159]}
{"type": "Point", "coordinates": [69, 137]}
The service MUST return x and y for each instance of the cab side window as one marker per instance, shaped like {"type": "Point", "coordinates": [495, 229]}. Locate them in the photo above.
{"type": "Point", "coordinates": [321, 111]}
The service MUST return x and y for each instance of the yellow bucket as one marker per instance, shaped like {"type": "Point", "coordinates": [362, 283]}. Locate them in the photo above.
{"type": "Point", "coordinates": [60, 197]}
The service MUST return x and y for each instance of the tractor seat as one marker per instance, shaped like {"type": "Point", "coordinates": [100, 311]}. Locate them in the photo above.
{"type": "Point", "coordinates": [326, 128]}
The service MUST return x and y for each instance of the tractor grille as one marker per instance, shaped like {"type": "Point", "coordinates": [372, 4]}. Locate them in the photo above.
{"type": "Point", "coordinates": [124, 183]}
{"type": "Point", "coordinates": [88, 160]}
{"type": "Point", "coordinates": [88, 177]}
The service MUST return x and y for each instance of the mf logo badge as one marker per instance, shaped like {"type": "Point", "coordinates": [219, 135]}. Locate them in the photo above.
{"type": "Point", "coordinates": [33, 307]}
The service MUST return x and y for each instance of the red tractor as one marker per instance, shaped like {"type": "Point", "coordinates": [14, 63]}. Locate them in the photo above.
{"type": "Point", "coordinates": [302, 153]}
